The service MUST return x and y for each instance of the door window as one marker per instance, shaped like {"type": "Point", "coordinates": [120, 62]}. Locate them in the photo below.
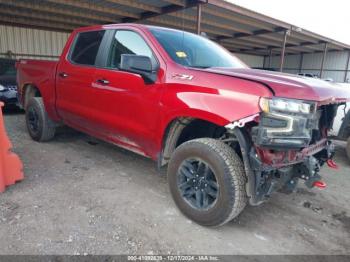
{"type": "Point", "coordinates": [128, 42]}
{"type": "Point", "coordinates": [86, 47]}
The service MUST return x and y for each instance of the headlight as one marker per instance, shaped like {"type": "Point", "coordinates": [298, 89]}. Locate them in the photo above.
{"type": "Point", "coordinates": [285, 123]}
{"type": "Point", "coordinates": [283, 105]}
{"type": "Point", "coordinates": [2, 88]}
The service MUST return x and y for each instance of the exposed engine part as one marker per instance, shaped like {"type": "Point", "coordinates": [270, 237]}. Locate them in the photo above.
{"type": "Point", "coordinates": [264, 178]}
{"type": "Point", "coordinates": [273, 160]}
{"type": "Point", "coordinates": [326, 154]}
{"type": "Point", "coordinates": [327, 116]}
{"type": "Point", "coordinates": [309, 171]}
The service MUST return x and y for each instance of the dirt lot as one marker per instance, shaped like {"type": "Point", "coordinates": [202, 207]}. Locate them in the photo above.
{"type": "Point", "coordinates": [83, 196]}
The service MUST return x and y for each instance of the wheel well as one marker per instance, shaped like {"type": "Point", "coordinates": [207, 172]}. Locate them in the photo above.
{"type": "Point", "coordinates": [183, 129]}
{"type": "Point", "coordinates": [30, 91]}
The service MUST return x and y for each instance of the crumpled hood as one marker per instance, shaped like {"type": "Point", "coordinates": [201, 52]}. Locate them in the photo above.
{"type": "Point", "coordinates": [291, 86]}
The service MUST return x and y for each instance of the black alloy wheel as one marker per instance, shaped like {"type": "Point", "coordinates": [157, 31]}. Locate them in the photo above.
{"type": "Point", "coordinates": [207, 181]}
{"type": "Point", "coordinates": [197, 184]}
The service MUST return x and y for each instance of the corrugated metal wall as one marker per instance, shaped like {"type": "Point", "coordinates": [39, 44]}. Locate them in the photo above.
{"type": "Point", "coordinates": [42, 44]}
{"type": "Point", "coordinates": [251, 60]}
{"type": "Point", "coordinates": [31, 43]}
{"type": "Point", "coordinates": [335, 64]}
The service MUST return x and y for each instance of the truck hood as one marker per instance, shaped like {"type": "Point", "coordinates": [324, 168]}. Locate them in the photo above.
{"type": "Point", "coordinates": [291, 86]}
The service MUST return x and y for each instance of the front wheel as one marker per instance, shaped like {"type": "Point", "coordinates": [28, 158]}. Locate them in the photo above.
{"type": "Point", "coordinates": [40, 127]}
{"type": "Point", "coordinates": [207, 181]}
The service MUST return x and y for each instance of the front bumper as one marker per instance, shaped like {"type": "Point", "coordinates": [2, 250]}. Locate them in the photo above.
{"type": "Point", "coordinates": [278, 159]}
{"type": "Point", "coordinates": [269, 169]}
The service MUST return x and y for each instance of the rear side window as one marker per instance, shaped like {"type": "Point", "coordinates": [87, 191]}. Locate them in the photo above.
{"type": "Point", "coordinates": [86, 47]}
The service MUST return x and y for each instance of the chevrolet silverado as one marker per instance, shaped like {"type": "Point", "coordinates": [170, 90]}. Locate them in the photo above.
{"type": "Point", "coordinates": [229, 135]}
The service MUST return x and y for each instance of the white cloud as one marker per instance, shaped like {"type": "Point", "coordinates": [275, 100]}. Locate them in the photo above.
{"type": "Point", "coordinates": [328, 18]}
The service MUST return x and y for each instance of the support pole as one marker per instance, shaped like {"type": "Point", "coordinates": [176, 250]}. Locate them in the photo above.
{"type": "Point", "coordinates": [323, 59]}
{"type": "Point", "coordinates": [199, 18]}
{"type": "Point", "coordinates": [301, 62]}
{"type": "Point", "coordinates": [270, 58]}
{"type": "Point", "coordinates": [264, 61]}
{"type": "Point", "coordinates": [347, 67]}
{"type": "Point", "coordinates": [286, 33]}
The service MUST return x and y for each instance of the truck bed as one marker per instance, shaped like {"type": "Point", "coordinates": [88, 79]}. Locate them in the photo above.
{"type": "Point", "coordinates": [38, 72]}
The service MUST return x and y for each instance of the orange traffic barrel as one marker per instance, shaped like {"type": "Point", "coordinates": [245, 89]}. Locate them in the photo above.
{"type": "Point", "coordinates": [10, 164]}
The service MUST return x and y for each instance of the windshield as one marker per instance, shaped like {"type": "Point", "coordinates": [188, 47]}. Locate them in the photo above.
{"type": "Point", "coordinates": [7, 67]}
{"type": "Point", "coordinates": [194, 51]}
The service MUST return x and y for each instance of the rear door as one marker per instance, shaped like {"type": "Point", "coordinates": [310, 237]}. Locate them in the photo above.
{"type": "Point", "coordinates": [75, 75]}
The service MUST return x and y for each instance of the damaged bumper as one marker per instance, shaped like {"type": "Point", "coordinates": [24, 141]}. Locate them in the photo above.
{"type": "Point", "coordinates": [282, 147]}
{"type": "Point", "coordinates": [278, 159]}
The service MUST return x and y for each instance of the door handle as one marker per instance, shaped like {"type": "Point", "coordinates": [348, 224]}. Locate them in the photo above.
{"type": "Point", "coordinates": [63, 75]}
{"type": "Point", "coordinates": [102, 81]}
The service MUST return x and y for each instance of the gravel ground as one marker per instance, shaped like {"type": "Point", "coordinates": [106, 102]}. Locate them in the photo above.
{"type": "Point", "coordinates": [84, 196]}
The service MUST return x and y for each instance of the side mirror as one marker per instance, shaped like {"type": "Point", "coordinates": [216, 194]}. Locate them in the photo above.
{"type": "Point", "coordinates": [139, 64]}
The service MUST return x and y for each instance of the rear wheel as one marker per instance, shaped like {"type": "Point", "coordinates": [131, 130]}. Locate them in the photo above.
{"type": "Point", "coordinates": [40, 127]}
{"type": "Point", "coordinates": [207, 181]}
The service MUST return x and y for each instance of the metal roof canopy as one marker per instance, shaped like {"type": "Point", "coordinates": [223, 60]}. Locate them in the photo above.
{"type": "Point", "coordinates": [238, 29]}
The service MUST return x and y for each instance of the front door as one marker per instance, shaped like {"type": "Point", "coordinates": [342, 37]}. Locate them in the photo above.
{"type": "Point", "coordinates": [126, 106]}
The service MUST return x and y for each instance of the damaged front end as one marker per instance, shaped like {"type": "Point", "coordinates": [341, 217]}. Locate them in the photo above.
{"type": "Point", "coordinates": [285, 143]}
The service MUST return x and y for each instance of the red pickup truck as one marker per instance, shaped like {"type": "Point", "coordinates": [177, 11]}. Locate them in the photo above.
{"type": "Point", "coordinates": [230, 135]}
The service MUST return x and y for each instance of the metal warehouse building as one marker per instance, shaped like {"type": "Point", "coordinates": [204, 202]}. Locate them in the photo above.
{"type": "Point", "coordinates": [39, 28]}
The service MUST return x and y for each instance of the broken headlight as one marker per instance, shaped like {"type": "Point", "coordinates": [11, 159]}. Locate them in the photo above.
{"type": "Point", "coordinates": [283, 105]}
{"type": "Point", "coordinates": [285, 123]}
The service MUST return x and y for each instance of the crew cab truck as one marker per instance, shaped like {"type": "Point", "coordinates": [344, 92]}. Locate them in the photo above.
{"type": "Point", "coordinates": [229, 135]}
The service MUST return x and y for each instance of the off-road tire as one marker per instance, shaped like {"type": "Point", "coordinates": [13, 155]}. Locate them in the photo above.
{"type": "Point", "coordinates": [229, 172]}
{"type": "Point", "coordinates": [46, 127]}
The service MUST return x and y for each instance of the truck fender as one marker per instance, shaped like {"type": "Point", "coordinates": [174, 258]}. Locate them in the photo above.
{"type": "Point", "coordinates": [29, 90]}
{"type": "Point", "coordinates": [219, 110]}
